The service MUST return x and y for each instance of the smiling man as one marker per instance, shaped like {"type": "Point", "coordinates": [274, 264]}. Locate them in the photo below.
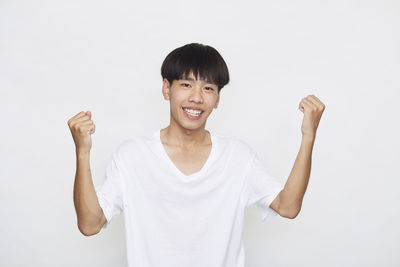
{"type": "Point", "coordinates": [184, 189]}
{"type": "Point", "coordinates": [193, 76]}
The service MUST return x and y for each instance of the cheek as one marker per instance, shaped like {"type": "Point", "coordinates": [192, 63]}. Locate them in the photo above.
{"type": "Point", "coordinates": [177, 95]}
{"type": "Point", "coordinates": [176, 104]}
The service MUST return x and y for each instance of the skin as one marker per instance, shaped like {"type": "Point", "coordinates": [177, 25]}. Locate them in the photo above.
{"type": "Point", "coordinates": [185, 138]}
{"type": "Point", "coordinates": [186, 141]}
{"type": "Point", "coordinates": [289, 201]}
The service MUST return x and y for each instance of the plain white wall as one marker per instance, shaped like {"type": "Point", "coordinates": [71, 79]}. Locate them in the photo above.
{"type": "Point", "coordinates": [58, 58]}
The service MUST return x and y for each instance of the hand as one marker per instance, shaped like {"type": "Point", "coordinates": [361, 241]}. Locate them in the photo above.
{"type": "Point", "coordinates": [312, 108]}
{"type": "Point", "coordinates": [82, 127]}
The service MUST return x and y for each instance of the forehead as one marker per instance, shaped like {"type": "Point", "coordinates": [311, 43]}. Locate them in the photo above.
{"type": "Point", "coordinates": [190, 77]}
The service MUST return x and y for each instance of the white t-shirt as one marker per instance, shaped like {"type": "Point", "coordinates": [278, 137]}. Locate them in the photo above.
{"type": "Point", "coordinates": [178, 220]}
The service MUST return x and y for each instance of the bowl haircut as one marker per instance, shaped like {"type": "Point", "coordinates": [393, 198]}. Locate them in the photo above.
{"type": "Point", "coordinates": [202, 60]}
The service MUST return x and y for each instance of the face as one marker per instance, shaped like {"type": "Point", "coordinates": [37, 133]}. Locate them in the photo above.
{"type": "Point", "coordinates": [191, 101]}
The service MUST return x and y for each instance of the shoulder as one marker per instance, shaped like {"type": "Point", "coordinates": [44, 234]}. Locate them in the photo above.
{"type": "Point", "coordinates": [242, 144]}
{"type": "Point", "coordinates": [125, 144]}
{"type": "Point", "coordinates": [241, 147]}
{"type": "Point", "coordinates": [130, 144]}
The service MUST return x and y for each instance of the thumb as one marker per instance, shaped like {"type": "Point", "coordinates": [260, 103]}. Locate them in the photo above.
{"type": "Point", "coordinates": [89, 114]}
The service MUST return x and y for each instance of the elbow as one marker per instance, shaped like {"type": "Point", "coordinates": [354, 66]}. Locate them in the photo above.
{"type": "Point", "coordinates": [87, 231]}
{"type": "Point", "coordinates": [291, 214]}
{"type": "Point", "coordinates": [89, 226]}
{"type": "Point", "coordinates": [288, 206]}
{"type": "Point", "coordinates": [294, 215]}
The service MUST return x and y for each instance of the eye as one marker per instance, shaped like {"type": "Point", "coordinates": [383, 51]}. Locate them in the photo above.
{"type": "Point", "coordinates": [184, 84]}
{"type": "Point", "coordinates": [210, 88]}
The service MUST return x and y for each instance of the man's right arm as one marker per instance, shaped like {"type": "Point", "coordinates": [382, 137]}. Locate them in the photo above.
{"type": "Point", "coordinates": [90, 215]}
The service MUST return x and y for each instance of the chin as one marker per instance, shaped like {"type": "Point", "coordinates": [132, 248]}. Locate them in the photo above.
{"type": "Point", "coordinates": [194, 125]}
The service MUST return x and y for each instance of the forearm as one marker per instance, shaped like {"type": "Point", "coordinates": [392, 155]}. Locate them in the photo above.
{"type": "Point", "coordinates": [291, 197]}
{"type": "Point", "coordinates": [85, 199]}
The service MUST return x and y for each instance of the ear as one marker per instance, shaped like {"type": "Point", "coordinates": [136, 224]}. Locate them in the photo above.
{"type": "Point", "coordinates": [216, 103]}
{"type": "Point", "coordinates": [166, 89]}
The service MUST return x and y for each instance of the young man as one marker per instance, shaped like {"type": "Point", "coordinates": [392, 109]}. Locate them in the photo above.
{"type": "Point", "coordinates": [184, 189]}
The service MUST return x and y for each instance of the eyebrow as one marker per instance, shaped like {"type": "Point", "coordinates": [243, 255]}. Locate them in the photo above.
{"type": "Point", "coordinates": [191, 79]}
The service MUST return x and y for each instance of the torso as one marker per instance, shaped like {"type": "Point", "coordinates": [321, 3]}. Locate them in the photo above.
{"type": "Point", "coordinates": [188, 162]}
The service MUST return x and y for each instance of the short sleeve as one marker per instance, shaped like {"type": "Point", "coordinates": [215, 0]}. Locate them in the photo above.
{"type": "Point", "coordinates": [110, 193]}
{"type": "Point", "coordinates": [261, 188]}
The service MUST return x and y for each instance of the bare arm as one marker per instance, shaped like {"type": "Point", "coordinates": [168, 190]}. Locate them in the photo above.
{"type": "Point", "coordinates": [289, 200]}
{"type": "Point", "coordinates": [90, 215]}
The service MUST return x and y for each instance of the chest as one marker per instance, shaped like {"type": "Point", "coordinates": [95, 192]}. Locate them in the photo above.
{"type": "Point", "coordinates": [188, 162]}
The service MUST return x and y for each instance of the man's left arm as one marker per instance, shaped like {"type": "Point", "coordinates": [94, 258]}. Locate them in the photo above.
{"type": "Point", "coordinates": [289, 200]}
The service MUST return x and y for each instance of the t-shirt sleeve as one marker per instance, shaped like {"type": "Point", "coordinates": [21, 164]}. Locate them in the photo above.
{"type": "Point", "coordinates": [261, 188]}
{"type": "Point", "coordinates": [110, 193]}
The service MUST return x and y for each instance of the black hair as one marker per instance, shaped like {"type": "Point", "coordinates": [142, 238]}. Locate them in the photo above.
{"type": "Point", "coordinates": [203, 60]}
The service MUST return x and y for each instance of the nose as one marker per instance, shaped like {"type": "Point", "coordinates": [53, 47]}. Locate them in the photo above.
{"type": "Point", "coordinates": [196, 95]}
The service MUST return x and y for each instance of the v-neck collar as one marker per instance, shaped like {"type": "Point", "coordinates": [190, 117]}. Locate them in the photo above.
{"type": "Point", "coordinates": [164, 154]}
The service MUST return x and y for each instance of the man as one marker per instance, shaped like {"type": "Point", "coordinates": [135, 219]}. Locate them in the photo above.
{"type": "Point", "coordinates": [184, 189]}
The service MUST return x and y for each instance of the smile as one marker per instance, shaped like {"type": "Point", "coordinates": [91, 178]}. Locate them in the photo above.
{"type": "Point", "coordinates": [192, 114]}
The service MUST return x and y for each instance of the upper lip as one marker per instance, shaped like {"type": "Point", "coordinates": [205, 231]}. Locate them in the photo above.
{"type": "Point", "coordinates": [193, 108]}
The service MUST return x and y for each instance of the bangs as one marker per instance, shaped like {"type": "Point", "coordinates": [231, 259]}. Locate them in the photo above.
{"type": "Point", "coordinates": [203, 61]}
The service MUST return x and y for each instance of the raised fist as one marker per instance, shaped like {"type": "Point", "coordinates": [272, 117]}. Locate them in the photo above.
{"type": "Point", "coordinates": [82, 126]}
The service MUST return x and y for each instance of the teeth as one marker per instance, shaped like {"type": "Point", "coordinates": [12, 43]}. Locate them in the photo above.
{"type": "Point", "coordinates": [193, 112]}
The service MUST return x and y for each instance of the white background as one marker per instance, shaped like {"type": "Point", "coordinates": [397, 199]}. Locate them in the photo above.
{"type": "Point", "coordinates": [58, 58]}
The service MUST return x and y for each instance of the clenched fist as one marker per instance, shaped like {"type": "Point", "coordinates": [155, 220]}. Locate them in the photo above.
{"type": "Point", "coordinates": [82, 127]}
{"type": "Point", "coordinates": [312, 108]}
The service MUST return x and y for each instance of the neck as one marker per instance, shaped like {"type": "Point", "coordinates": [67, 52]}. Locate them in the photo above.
{"type": "Point", "coordinates": [185, 138]}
